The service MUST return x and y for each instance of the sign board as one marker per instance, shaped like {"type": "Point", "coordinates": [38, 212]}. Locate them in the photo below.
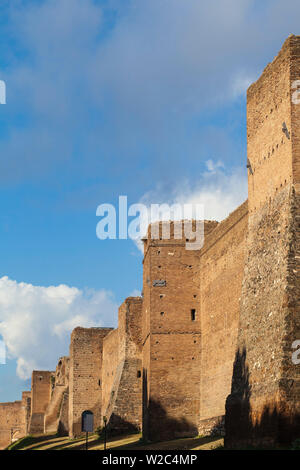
{"type": "Point", "coordinates": [159, 283]}
{"type": "Point", "coordinates": [87, 421]}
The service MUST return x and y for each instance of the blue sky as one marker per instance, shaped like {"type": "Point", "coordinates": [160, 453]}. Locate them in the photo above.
{"type": "Point", "coordinates": [106, 98]}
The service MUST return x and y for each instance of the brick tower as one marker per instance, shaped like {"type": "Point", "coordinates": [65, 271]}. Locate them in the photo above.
{"type": "Point", "coordinates": [264, 404]}
{"type": "Point", "coordinates": [171, 338]}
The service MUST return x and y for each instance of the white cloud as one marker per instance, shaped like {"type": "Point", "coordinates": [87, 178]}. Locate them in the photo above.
{"type": "Point", "coordinates": [241, 83]}
{"type": "Point", "coordinates": [36, 321]}
{"type": "Point", "coordinates": [213, 166]}
{"type": "Point", "coordinates": [135, 293]}
{"type": "Point", "coordinates": [219, 192]}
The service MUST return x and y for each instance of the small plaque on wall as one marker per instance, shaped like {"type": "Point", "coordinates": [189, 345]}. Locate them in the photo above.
{"type": "Point", "coordinates": [159, 283]}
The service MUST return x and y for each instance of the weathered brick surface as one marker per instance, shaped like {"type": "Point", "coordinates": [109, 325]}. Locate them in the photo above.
{"type": "Point", "coordinates": [63, 423]}
{"type": "Point", "coordinates": [14, 420]}
{"type": "Point", "coordinates": [122, 370]}
{"type": "Point", "coordinates": [86, 352]}
{"type": "Point", "coordinates": [264, 404]}
{"type": "Point", "coordinates": [214, 322]}
{"type": "Point", "coordinates": [220, 273]}
{"type": "Point", "coordinates": [41, 388]}
{"type": "Point", "coordinates": [171, 338]}
{"type": "Point", "coordinates": [26, 404]}
{"type": "Point", "coordinates": [110, 365]}
{"type": "Point", "coordinates": [57, 410]}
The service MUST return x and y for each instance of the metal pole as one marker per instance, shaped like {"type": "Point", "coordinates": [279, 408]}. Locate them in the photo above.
{"type": "Point", "coordinates": [86, 441]}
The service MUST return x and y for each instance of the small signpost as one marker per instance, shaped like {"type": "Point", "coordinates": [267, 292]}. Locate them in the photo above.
{"type": "Point", "coordinates": [87, 424]}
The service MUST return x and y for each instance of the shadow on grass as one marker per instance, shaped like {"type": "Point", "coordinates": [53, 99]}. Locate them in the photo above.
{"type": "Point", "coordinates": [93, 444]}
{"type": "Point", "coordinates": [45, 442]}
{"type": "Point", "coordinates": [176, 444]}
{"type": "Point", "coordinates": [71, 445]}
{"type": "Point", "coordinates": [29, 441]}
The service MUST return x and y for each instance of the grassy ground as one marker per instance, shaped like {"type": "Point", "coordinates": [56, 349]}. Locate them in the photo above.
{"type": "Point", "coordinates": [130, 442]}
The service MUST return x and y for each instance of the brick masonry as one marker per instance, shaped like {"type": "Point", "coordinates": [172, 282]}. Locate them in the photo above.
{"type": "Point", "coordinates": [56, 413]}
{"type": "Point", "coordinates": [122, 370]}
{"type": "Point", "coordinates": [14, 420]}
{"type": "Point", "coordinates": [220, 273]}
{"type": "Point", "coordinates": [209, 341]}
{"type": "Point", "coordinates": [41, 387]}
{"type": "Point", "coordinates": [86, 355]}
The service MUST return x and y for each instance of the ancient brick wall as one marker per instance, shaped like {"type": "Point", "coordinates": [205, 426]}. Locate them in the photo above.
{"type": "Point", "coordinates": [122, 370]}
{"type": "Point", "coordinates": [85, 376]}
{"type": "Point", "coordinates": [26, 404]}
{"type": "Point", "coordinates": [263, 407]}
{"type": "Point", "coordinates": [221, 270]}
{"type": "Point", "coordinates": [63, 423]}
{"type": "Point", "coordinates": [211, 322]}
{"type": "Point", "coordinates": [171, 338]}
{"type": "Point", "coordinates": [14, 420]}
{"type": "Point", "coordinates": [57, 409]}
{"type": "Point", "coordinates": [41, 389]}
{"type": "Point", "coordinates": [110, 365]}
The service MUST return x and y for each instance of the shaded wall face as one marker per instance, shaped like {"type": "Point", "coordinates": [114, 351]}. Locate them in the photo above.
{"type": "Point", "coordinates": [62, 372]}
{"type": "Point", "coordinates": [263, 336]}
{"type": "Point", "coordinates": [109, 369]}
{"type": "Point", "coordinates": [26, 404]}
{"type": "Point", "coordinates": [41, 389]}
{"type": "Point", "coordinates": [221, 272]}
{"type": "Point", "coordinates": [291, 372]}
{"type": "Point", "coordinates": [56, 414]}
{"type": "Point", "coordinates": [263, 406]}
{"type": "Point", "coordinates": [86, 351]}
{"type": "Point", "coordinates": [171, 351]}
{"type": "Point", "coordinates": [269, 149]}
{"type": "Point", "coordinates": [122, 370]}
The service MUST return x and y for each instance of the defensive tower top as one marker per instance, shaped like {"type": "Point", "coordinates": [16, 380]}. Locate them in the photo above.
{"type": "Point", "coordinates": [273, 120]}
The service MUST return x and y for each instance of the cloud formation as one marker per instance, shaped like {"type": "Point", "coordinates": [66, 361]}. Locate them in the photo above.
{"type": "Point", "coordinates": [219, 191]}
{"type": "Point", "coordinates": [93, 84]}
{"type": "Point", "coordinates": [36, 321]}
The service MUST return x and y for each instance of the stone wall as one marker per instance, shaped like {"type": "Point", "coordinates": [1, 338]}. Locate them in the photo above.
{"type": "Point", "coordinates": [220, 272]}
{"type": "Point", "coordinates": [14, 420]}
{"type": "Point", "coordinates": [26, 404]}
{"type": "Point", "coordinates": [263, 407]}
{"type": "Point", "coordinates": [85, 376]}
{"type": "Point", "coordinates": [212, 322]}
{"type": "Point", "coordinates": [171, 337]}
{"type": "Point", "coordinates": [122, 370]}
{"type": "Point", "coordinates": [57, 411]}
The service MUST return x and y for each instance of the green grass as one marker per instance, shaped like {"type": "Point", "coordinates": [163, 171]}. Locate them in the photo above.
{"type": "Point", "coordinates": [126, 442]}
{"type": "Point", "coordinates": [24, 442]}
{"type": "Point", "coordinates": [123, 442]}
